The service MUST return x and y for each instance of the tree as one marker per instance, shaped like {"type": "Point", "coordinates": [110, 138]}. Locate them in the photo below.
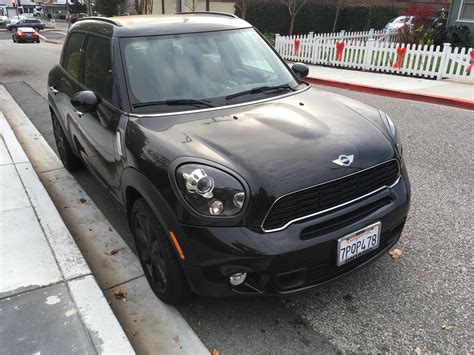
{"type": "Point", "coordinates": [294, 6]}
{"type": "Point", "coordinates": [242, 6]}
{"type": "Point", "coordinates": [77, 7]}
{"type": "Point", "coordinates": [338, 10]}
{"type": "Point", "coordinates": [191, 4]}
{"type": "Point", "coordinates": [108, 7]}
{"type": "Point", "coordinates": [139, 4]}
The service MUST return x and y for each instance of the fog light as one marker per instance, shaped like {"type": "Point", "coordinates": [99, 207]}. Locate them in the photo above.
{"type": "Point", "coordinates": [216, 208]}
{"type": "Point", "coordinates": [238, 278]}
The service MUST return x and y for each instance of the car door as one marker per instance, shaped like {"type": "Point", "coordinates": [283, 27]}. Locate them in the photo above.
{"type": "Point", "coordinates": [64, 82]}
{"type": "Point", "coordinates": [98, 128]}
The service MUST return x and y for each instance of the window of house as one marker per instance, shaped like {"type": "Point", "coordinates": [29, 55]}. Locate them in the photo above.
{"type": "Point", "coordinates": [466, 12]}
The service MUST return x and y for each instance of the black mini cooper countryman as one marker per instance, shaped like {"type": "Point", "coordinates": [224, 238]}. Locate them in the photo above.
{"type": "Point", "coordinates": [237, 176]}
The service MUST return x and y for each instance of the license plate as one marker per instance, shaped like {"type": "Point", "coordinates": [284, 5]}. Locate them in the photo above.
{"type": "Point", "coordinates": [358, 243]}
{"type": "Point", "coordinates": [28, 35]}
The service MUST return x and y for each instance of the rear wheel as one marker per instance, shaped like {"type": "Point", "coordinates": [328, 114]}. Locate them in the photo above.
{"type": "Point", "coordinates": [157, 256]}
{"type": "Point", "coordinates": [70, 161]}
{"type": "Point", "coordinates": [14, 29]}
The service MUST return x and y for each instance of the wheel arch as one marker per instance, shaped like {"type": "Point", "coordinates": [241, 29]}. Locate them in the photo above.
{"type": "Point", "coordinates": [135, 185]}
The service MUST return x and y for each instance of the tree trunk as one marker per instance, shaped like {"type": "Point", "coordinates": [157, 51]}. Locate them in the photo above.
{"type": "Point", "coordinates": [292, 24]}
{"type": "Point", "coordinates": [292, 8]}
{"type": "Point", "coordinates": [338, 9]}
{"type": "Point", "coordinates": [242, 6]}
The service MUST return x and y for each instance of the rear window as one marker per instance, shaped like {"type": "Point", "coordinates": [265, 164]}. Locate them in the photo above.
{"type": "Point", "coordinates": [72, 54]}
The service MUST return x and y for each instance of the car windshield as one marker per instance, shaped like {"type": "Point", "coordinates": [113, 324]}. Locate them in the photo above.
{"type": "Point", "coordinates": [217, 68]}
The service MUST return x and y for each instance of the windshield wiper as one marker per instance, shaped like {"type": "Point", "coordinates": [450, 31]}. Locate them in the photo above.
{"type": "Point", "coordinates": [174, 102]}
{"type": "Point", "coordinates": [259, 90]}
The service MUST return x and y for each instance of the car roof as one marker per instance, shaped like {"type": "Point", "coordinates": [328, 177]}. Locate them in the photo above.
{"type": "Point", "coordinates": [26, 29]}
{"type": "Point", "coordinates": [146, 25]}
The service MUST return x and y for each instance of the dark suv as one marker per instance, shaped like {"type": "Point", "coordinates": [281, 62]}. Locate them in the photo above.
{"type": "Point", "coordinates": [37, 25]}
{"type": "Point", "coordinates": [236, 175]}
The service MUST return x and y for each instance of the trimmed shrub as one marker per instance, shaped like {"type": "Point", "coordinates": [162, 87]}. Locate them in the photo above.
{"type": "Point", "coordinates": [379, 16]}
{"type": "Point", "coordinates": [274, 18]}
{"type": "Point", "coordinates": [314, 18]}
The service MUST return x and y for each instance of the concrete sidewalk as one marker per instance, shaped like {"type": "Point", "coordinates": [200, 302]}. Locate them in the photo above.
{"type": "Point", "coordinates": [49, 300]}
{"type": "Point", "coordinates": [441, 91]}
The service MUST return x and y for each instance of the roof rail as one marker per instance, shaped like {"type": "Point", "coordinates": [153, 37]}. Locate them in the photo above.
{"type": "Point", "coordinates": [103, 19]}
{"type": "Point", "coordinates": [217, 13]}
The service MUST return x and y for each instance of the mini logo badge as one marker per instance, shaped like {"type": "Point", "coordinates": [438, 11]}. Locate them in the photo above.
{"type": "Point", "coordinates": [344, 160]}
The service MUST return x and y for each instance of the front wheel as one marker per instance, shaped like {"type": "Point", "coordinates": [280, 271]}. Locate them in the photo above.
{"type": "Point", "coordinates": [70, 161]}
{"type": "Point", "coordinates": [36, 29]}
{"type": "Point", "coordinates": [14, 29]}
{"type": "Point", "coordinates": [157, 256]}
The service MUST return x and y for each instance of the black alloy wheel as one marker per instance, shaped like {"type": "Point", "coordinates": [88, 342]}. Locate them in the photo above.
{"type": "Point", "coordinates": [158, 259]}
{"type": "Point", "coordinates": [70, 161]}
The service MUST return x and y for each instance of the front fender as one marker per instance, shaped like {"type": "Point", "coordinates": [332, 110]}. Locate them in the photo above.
{"type": "Point", "coordinates": [133, 179]}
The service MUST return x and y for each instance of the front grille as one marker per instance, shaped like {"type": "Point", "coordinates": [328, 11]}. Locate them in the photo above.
{"type": "Point", "coordinates": [331, 194]}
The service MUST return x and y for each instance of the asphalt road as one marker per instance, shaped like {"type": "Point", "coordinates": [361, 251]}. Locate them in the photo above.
{"type": "Point", "coordinates": [423, 299]}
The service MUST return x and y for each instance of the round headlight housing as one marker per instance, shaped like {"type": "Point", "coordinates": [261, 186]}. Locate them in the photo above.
{"type": "Point", "coordinates": [210, 191]}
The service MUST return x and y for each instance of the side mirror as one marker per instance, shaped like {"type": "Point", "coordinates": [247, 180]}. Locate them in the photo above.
{"type": "Point", "coordinates": [301, 70]}
{"type": "Point", "coordinates": [85, 101]}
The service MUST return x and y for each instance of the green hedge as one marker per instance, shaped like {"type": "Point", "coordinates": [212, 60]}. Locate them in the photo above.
{"type": "Point", "coordinates": [274, 18]}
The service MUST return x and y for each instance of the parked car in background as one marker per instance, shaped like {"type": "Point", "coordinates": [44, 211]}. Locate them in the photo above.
{"type": "Point", "coordinates": [238, 177]}
{"type": "Point", "coordinates": [74, 17]}
{"type": "Point", "coordinates": [26, 35]}
{"type": "Point", "coordinates": [38, 11]}
{"type": "Point", "coordinates": [15, 19]}
{"type": "Point", "coordinates": [4, 20]}
{"type": "Point", "coordinates": [398, 22]}
{"type": "Point", "coordinates": [35, 24]}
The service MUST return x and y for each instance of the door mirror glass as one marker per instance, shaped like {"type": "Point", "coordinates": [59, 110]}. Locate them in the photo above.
{"type": "Point", "coordinates": [85, 101]}
{"type": "Point", "coordinates": [301, 70]}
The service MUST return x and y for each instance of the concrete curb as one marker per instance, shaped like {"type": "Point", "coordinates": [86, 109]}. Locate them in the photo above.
{"type": "Point", "coordinates": [103, 327]}
{"type": "Point", "coordinates": [432, 99]}
{"type": "Point", "coordinates": [48, 40]}
{"type": "Point", "coordinates": [150, 324]}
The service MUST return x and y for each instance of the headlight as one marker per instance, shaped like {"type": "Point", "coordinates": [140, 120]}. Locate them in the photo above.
{"type": "Point", "coordinates": [210, 191]}
{"type": "Point", "coordinates": [392, 130]}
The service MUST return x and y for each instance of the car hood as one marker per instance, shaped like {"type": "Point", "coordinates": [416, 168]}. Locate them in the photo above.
{"type": "Point", "coordinates": [277, 146]}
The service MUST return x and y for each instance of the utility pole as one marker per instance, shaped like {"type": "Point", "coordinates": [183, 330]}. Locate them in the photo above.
{"type": "Point", "coordinates": [207, 5]}
{"type": "Point", "coordinates": [89, 7]}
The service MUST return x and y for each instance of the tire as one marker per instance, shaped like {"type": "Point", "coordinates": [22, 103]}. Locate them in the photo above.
{"type": "Point", "coordinates": [36, 29]}
{"type": "Point", "coordinates": [70, 161]}
{"type": "Point", "coordinates": [157, 256]}
{"type": "Point", "coordinates": [13, 29]}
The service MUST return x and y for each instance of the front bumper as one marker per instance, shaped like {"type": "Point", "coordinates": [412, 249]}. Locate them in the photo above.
{"type": "Point", "coordinates": [299, 258]}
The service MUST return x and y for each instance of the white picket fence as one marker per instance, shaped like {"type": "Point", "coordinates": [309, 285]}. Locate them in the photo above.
{"type": "Point", "coordinates": [377, 51]}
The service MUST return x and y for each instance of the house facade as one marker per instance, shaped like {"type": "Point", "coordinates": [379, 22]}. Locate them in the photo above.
{"type": "Point", "coordinates": [461, 13]}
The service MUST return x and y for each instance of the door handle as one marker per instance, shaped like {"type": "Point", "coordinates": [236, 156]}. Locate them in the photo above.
{"type": "Point", "coordinates": [53, 90]}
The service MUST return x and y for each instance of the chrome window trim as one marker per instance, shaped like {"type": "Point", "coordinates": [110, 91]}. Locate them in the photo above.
{"type": "Point", "coordinates": [216, 108]}
{"type": "Point", "coordinates": [331, 208]}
